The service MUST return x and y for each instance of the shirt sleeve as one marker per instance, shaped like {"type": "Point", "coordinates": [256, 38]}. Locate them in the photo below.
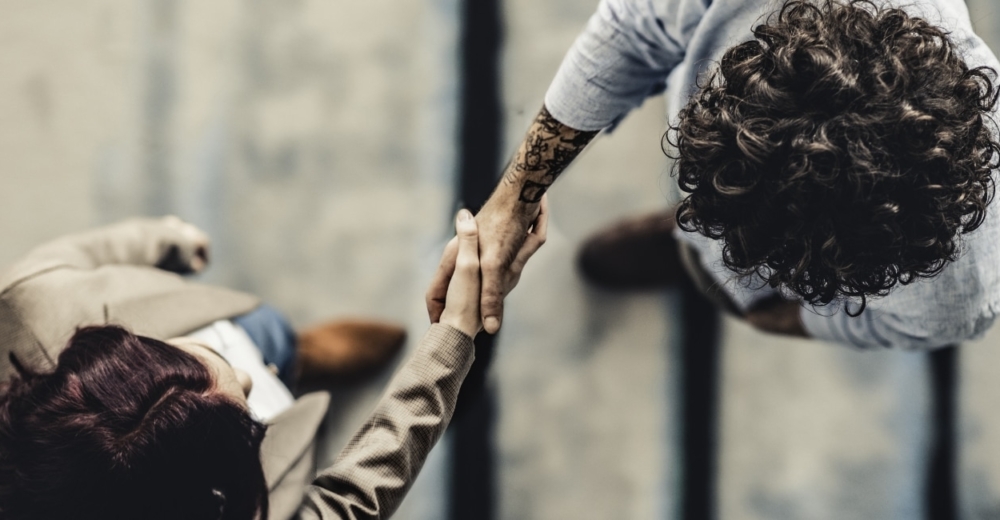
{"type": "Point", "coordinates": [875, 328]}
{"type": "Point", "coordinates": [624, 55]}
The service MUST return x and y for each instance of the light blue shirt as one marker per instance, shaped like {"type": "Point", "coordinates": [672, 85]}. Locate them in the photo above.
{"type": "Point", "coordinates": [632, 49]}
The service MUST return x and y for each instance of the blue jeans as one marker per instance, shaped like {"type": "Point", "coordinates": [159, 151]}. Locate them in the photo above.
{"type": "Point", "coordinates": [274, 336]}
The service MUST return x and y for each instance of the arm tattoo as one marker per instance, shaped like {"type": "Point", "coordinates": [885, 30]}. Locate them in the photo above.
{"type": "Point", "coordinates": [546, 151]}
{"type": "Point", "coordinates": [532, 191]}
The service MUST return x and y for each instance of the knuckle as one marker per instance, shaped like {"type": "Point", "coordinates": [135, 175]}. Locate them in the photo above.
{"type": "Point", "coordinates": [467, 264]}
{"type": "Point", "coordinates": [492, 299]}
{"type": "Point", "coordinates": [467, 231]}
{"type": "Point", "coordinates": [491, 264]}
{"type": "Point", "coordinates": [492, 290]}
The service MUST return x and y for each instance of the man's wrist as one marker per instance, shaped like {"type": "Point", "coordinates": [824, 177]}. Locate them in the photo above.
{"type": "Point", "coordinates": [506, 200]}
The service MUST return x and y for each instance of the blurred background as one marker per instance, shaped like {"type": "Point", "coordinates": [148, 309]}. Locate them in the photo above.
{"type": "Point", "coordinates": [325, 145]}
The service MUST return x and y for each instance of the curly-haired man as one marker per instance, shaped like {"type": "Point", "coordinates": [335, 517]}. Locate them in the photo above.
{"type": "Point", "coordinates": [837, 156]}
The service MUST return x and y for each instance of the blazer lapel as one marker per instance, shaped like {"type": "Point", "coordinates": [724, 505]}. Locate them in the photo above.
{"type": "Point", "coordinates": [290, 434]}
{"type": "Point", "coordinates": [175, 311]}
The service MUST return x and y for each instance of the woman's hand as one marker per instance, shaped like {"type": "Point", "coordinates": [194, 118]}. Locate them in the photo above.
{"type": "Point", "coordinates": [439, 305]}
{"type": "Point", "coordinates": [461, 305]}
{"type": "Point", "coordinates": [186, 247]}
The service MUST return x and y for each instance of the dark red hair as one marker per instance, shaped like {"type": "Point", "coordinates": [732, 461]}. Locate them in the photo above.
{"type": "Point", "coordinates": [126, 427]}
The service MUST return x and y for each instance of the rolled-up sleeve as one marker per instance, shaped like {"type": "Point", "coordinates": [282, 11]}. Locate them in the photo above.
{"type": "Point", "coordinates": [874, 328]}
{"type": "Point", "coordinates": [624, 55]}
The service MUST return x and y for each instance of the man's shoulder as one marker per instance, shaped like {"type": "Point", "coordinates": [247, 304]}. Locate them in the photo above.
{"type": "Point", "coordinates": [965, 293]}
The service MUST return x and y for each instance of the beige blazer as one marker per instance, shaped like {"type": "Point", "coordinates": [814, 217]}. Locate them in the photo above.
{"type": "Point", "coordinates": [107, 276]}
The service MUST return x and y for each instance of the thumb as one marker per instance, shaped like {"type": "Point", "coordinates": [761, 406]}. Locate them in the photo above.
{"type": "Point", "coordinates": [468, 237]}
{"type": "Point", "coordinates": [462, 302]}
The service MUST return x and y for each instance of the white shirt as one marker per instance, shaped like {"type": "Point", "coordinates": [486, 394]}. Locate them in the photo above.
{"type": "Point", "coordinates": [269, 396]}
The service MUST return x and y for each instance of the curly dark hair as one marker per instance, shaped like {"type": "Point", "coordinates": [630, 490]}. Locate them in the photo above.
{"type": "Point", "coordinates": [840, 152]}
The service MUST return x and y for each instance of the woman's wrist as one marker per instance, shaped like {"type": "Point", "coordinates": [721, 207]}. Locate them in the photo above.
{"type": "Point", "coordinates": [468, 327]}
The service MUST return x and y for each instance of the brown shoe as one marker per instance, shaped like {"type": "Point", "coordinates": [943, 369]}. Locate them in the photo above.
{"type": "Point", "coordinates": [634, 254]}
{"type": "Point", "coordinates": [346, 349]}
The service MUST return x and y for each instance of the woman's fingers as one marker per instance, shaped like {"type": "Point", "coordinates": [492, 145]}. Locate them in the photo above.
{"type": "Point", "coordinates": [462, 305]}
{"type": "Point", "coordinates": [467, 263]}
{"type": "Point", "coordinates": [438, 290]}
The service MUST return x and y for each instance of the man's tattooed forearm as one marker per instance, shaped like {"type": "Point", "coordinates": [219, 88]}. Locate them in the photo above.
{"type": "Point", "coordinates": [546, 151]}
{"type": "Point", "coordinates": [536, 148]}
{"type": "Point", "coordinates": [532, 192]}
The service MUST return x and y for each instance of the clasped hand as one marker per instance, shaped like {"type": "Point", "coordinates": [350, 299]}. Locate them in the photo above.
{"type": "Point", "coordinates": [456, 289]}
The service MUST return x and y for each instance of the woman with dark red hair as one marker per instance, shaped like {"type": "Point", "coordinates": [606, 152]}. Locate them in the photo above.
{"type": "Point", "coordinates": [113, 424]}
{"type": "Point", "coordinates": [130, 427]}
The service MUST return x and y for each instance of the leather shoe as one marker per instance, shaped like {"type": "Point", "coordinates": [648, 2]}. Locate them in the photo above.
{"type": "Point", "coordinates": [343, 350]}
{"type": "Point", "coordinates": [633, 254]}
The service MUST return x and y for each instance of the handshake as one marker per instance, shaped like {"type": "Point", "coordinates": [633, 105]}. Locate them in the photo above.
{"type": "Point", "coordinates": [456, 289]}
{"type": "Point", "coordinates": [464, 293]}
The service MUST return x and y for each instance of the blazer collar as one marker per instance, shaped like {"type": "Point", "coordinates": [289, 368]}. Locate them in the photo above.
{"type": "Point", "coordinates": [290, 434]}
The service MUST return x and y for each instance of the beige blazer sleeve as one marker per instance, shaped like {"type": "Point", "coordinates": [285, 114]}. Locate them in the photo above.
{"type": "Point", "coordinates": [376, 469]}
{"type": "Point", "coordinates": [106, 276]}
{"type": "Point", "coordinates": [139, 241]}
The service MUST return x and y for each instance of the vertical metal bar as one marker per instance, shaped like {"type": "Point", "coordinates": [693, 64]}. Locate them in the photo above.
{"type": "Point", "coordinates": [473, 473]}
{"type": "Point", "coordinates": [699, 410]}
{"type": "Point", "coordinates": [941, 492]}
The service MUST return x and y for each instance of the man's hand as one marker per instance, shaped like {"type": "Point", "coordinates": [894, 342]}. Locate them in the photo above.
{"type": "Point", "coordinates": [778, 316]}
{"type": "Point", "coordinates": [503, 276]}
{"type": "Point", "coordinates": [504, 235]}
{"type": "Point", "coordinates": [518, 201]}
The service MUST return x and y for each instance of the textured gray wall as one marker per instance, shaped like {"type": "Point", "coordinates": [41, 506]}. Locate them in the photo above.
{"type": "Point", "coordinates": [64, 95]}
{"type": "Point", "coordinates": [310, 138]}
